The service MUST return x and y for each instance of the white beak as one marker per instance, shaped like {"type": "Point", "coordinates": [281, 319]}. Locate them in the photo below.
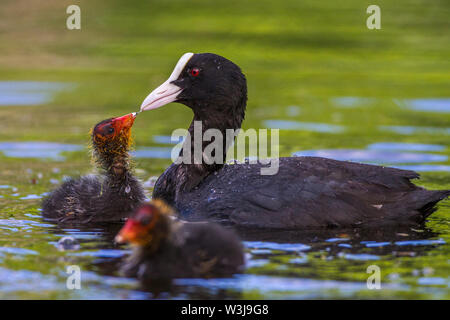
{"type": "Point", "coordinates": [167, 92]}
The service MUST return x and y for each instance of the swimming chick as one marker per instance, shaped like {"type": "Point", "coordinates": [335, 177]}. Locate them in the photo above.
{"type": "Point", "coordinates": [109, 196]}
{"type": "Point", "coordinates": [167, 248]}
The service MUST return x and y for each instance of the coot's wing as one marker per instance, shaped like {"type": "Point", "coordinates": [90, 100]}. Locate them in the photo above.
{"type": "Point", "coordinates": [310, 192]}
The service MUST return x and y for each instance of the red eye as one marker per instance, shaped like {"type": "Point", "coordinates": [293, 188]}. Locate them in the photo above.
{"type": "Point", "coordinates": [195, 72]}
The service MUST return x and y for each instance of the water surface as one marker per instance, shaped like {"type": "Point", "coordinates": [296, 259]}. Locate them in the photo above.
{"type": "Point", "coordinates": [333, 87]}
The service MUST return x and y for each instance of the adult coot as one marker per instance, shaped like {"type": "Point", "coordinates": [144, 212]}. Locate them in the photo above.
{"type": "Point", "coordinates": [306, 192]}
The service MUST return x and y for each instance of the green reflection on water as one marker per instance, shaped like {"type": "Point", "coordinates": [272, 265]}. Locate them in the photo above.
{"type": "Point", "coordinates": [303, 54]}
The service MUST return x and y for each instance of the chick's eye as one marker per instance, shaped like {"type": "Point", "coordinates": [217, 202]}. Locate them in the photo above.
{"type": "Point", "coordinates": [195, 72]}
{"type": "Point", "coordinates": [110, 130]}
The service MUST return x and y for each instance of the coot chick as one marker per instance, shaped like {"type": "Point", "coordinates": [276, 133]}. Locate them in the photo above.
{"type": "Point", "coordinates": [165, 248]}
{"type": "Point", "coordinates": [306, 192]}
{"type": "Point", "coordinates": [110, 196]}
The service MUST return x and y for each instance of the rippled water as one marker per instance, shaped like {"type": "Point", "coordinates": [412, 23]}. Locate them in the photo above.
{"type": "Point", "coordinates": [314, 71]}
{"type": "Point", "coordinates": [333, 87]}
{"type": "Point", "coordinates": [304, 126]}
{"type": "Point", "coordinates": [279, 264]}
{"type": "Point", "coordinates": [429, 105]}
{"type": "Point", "coordinates": [408, 156]}
{"type": "Point", "coordinates": [409, 130]}
{"type": "Point", "coordinates": [420, 104]}
{"type": "Point", "coordinates": [29, 93]}
{"type": "Point", "coordinates": [34, 149]}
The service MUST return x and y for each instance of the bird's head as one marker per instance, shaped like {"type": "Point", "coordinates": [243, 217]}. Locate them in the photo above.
{"type": "Point", "coordinates": [202, 81]}
{"type": "Point", "coordinates": [148, 226]}
{"type": "Point", "coordinates": [111, 139]}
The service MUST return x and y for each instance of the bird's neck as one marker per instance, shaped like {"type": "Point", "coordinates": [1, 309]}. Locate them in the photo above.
{"type": "Point", "coordinates": [119, 170]}
{"type": "Point", "coordinates": [212, 120]}
{"type": "Point", "coordinates": [116, 167]}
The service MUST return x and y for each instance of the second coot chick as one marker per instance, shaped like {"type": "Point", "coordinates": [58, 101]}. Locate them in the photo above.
{"type": "Point", "coordinates": [110, 196]}
{"type": "Point", "coordinates": [166, 248]}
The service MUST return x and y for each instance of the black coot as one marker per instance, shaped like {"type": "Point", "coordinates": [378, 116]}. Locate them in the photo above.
{"type": "Point", "coordinates": [306, 192]}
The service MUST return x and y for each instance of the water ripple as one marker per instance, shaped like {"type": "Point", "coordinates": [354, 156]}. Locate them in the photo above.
{"type": "Point", "coordinates": [276, 246]}
{"type": "Point", "coordinates": [37, 149]}
{"type": "Point", "coordinates": [420, 242]}
{"type": "Point", "coordinates": [425, 104]}
{"type": "Point", "coordinates": [29, 93]}
{"type": "Point", "coordinates": [303, 126]}
{"type": "Point", "coordinates": [373, 156]}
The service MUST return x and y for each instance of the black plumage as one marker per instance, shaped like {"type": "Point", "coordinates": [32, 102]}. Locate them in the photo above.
{"type": "Point", "coordinates": [307, 192]}
{"type": "Point", "coordinates": [109, 196]}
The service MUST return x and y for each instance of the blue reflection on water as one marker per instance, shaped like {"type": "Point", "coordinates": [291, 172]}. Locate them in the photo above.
{"type": "Point", "coordinates": [351, 102]}
{"type": "Point", "coordinates": [24, 280]}
{"type": "Point", "coordinates": [276, 246]}
{"type": "Point", "coordinates": [377, 244]}
{"type": "Point", "coordinates": [373, 156]}
{"type": "Point", "coordinates": [337, 239]}
{"type": "Point", "coordinates": [420, 242]}
{"type": "Point", "coordinates": [153, 152]}
{"type": "Point", "coordinates": [409, 130]}
{"type": "Point", "coordinates": [359, 257]}
{"type": "Point", "coordinates": [37, 149]}
{"type": "Point", "coordinates": [303, 288]}
{"type": "Point", "coordinates": [293, 111]}
{"type": "Point", "coordinates": [16, 225]}
{"type": "Point", "coordinates": [166, 139]}
{"type": "Point", "coordinates": [31, 197]}
{"type": "Point", "coordinates": [18, 251]}
{"type": "Point", "coordinates": [27, 93]}
{"type": "Point", "coordinates": [255, 263]}
{"type": "Point", "coordinates": [405, 146]}
{"type": "Point", "coordinates": [433, 281]}
{"type": "Point", "coordinates": [303, 126]}
{"type": "Point", "coordinates": [103, 253]}
{"type": "Point", "coordinates": [426, 104]}
{"type": "Point", "coordinates": [425, 167]}
{"type": "Point", "coordinates": [389, 153]}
